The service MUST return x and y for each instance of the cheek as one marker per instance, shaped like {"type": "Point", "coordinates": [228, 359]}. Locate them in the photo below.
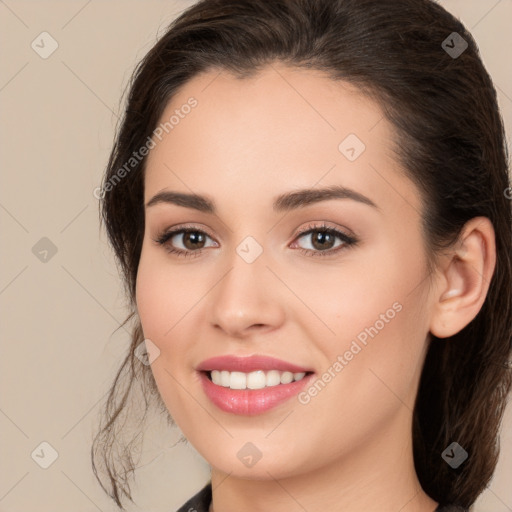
{"type": "Point", "coordinates": [378, 298]}
{"type": "Point", "coordinates": [164, 294]}
{"type": "Point", "coordinates": [162, 303]}
{"type": "Point", "coordinates": [352, 297]}
{"type": "Point", "coordinates": [380, 317]}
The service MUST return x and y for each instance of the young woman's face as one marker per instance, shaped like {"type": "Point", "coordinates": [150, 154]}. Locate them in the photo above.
{"type": "Point", "coordinates": [332, 285]}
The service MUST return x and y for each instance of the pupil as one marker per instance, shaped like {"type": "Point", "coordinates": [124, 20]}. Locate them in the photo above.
{"type": "Point", "coordinates": [322, 240]}
{"type": "Point", "coordinates": [193, 238]}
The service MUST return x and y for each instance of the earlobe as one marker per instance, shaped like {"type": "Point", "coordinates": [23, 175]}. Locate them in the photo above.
{"type": "Point", "coordinates": [465, 276]}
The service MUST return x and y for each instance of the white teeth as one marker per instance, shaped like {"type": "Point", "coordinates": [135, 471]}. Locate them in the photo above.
{"type": "Point", "coordinates": [215, 375]}
{"type": "Point", "coordinates": [286, 377]}
{"type": "Point", "coordinates": [256, 380]}
{"type": "Point", "coordinates": [273, 378]}
{"type": "Point", "coordinates": [238, 380]}
{"type": "Point", "coordinates": [253, 380]}
{"type": "Point", "coordinates": [224, 379]}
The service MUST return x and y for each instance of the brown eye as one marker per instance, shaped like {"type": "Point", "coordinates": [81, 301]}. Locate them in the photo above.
{"type": "Point", "coordinates": [193, 240]}
{"type": "Point", "coordinates": [185, 241]}
{"type": "Point", "coordinates": [324, 241]}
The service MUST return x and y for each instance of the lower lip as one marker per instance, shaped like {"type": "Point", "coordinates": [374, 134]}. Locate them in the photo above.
{"type": "Point", "coordinates": [249, 402]}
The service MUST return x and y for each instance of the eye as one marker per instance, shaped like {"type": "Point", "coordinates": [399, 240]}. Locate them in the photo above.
{"type": "Point", "coordinates": [190, 241]}
{"type": "Point", "coordinates": [323, 240]}
{"type": "Point", "coordinates": [185, 242]}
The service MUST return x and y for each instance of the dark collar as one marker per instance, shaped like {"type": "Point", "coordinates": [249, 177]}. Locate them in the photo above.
{"type": "Point", "coordinates": [200, 502]}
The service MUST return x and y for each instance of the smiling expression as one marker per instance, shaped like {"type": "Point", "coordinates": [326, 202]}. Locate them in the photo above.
{"type": "Point", "coordinates": [303, 232]}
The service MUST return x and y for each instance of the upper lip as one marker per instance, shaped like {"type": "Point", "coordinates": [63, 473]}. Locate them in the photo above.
{"type": "Point", "coordinates": [249, 363]}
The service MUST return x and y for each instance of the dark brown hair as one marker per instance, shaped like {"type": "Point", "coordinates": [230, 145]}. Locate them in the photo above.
{"type": "Point", "coordinates": [449, 139]}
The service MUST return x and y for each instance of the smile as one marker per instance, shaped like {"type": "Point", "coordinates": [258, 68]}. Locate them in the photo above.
{"type": "Point", "coordinates": [254, 380]}
{"type": "Point", "coordinates": [251, 385]}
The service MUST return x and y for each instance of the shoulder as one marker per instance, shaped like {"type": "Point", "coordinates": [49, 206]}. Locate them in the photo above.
{"type": "Point", "coordinates": [200, 502]}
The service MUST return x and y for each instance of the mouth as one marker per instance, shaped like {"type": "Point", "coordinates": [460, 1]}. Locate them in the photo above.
{"type": "Point", "coordinates": [251, 385]}
{"type": "Point", "coordinates": [258, 379]}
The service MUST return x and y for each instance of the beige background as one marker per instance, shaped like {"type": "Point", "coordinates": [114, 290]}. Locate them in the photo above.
{"type": "Point", "coordinates": [59, 349]}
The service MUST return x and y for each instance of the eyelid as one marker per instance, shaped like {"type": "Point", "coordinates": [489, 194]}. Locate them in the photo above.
{"type": "Point", "coordinates": [324, 225]}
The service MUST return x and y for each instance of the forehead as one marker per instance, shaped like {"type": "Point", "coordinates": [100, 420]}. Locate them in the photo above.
{"type": "Point", "coordinates": [282, 128]}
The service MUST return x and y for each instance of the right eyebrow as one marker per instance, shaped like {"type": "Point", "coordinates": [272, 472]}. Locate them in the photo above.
{"type": "Point", "coordinates": [195, 201]}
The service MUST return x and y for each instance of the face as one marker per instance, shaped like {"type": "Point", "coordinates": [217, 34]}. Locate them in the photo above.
{"type": "Point", "coordinates": [331, 284]}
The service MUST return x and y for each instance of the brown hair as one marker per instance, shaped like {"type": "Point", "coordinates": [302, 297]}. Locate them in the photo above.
{"type": "Point", "coordinates": [450, 141]}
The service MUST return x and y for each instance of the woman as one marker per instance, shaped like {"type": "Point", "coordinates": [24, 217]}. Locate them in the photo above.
{"type": "Point", "coordinates": [307, 199]}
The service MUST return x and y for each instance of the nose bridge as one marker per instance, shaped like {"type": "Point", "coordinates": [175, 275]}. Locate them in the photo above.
{"type": "Point", "coordinates": [244, 296]}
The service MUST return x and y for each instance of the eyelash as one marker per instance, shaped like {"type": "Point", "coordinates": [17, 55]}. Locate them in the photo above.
{"type": "Point", "coordinates": [347, 240]}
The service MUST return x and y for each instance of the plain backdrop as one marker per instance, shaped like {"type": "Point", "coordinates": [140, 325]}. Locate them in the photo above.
{"type": "Point", "coordinates": [60, 295]}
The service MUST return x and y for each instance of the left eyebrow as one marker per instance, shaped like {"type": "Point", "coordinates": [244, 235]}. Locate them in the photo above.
{"type": "Point", "coordinates": [284, 202]}
{"type": "Point", "coordinates": [305, 197]}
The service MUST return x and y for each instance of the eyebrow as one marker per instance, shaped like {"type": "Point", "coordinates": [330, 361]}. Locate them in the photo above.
{"type": "Point", "coordinates": [282, 203]}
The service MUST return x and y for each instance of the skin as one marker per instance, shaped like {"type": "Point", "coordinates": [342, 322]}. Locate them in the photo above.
{"type": "Point", "coordinates": [246, 142]}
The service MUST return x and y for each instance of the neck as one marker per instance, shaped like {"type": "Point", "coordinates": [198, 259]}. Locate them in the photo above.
{"type": "Point", "coordinates": [378, 476]}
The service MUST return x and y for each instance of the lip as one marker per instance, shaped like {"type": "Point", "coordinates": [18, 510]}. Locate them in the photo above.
{"type": "Point", "coordinates": [249, 364]}
{"type": "Point", "coordinates": [250, 402]}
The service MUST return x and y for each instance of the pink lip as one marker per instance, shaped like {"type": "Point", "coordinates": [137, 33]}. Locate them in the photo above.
{"type": "Point", "coordinates": [249, 402]}
{"type": "Point", "coordinates": [249, 364]}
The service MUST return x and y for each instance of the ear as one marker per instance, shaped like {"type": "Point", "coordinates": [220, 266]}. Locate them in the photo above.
{"type": "Point", "coordinates": [464, 275]}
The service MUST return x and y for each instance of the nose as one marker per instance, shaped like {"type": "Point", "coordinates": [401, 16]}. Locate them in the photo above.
{"type": "Point", "coordinates": [248, 299]}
